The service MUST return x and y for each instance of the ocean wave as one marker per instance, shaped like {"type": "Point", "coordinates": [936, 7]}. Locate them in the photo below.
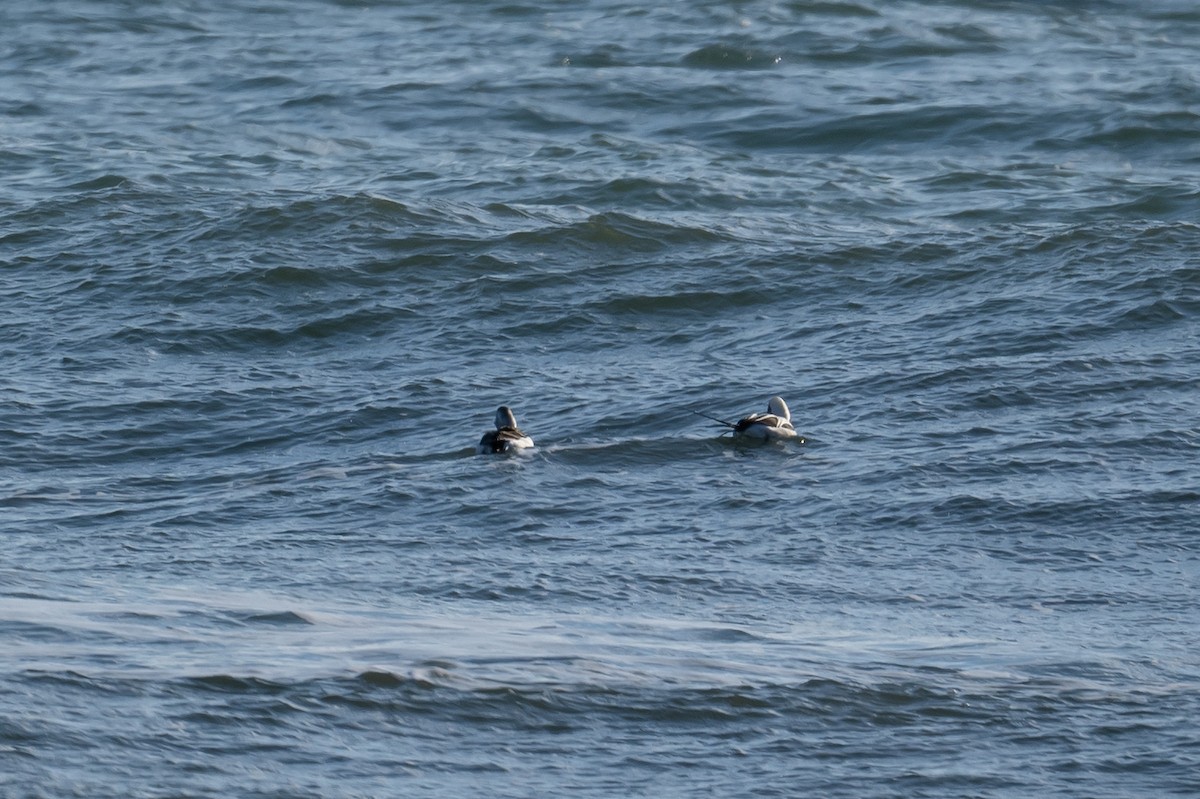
{"type": "Point", "coordinates": [266, 283]}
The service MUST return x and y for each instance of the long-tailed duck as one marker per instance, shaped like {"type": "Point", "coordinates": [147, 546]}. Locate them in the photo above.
{"type": "Point", "coordinates": [774, 425]}
{"type": "Point", "coordinates": [507, 437]}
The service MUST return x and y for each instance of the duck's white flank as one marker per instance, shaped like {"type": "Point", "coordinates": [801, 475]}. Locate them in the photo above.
{"type": "Point", "coordinates": [507, 437]}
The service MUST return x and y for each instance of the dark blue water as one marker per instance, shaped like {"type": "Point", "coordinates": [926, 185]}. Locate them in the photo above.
{"type": "Point", "coordinates": [268, 268]}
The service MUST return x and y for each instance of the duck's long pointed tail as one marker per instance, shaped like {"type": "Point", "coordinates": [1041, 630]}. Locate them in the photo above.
{"type": "Point", "coordinates": [730, 425]}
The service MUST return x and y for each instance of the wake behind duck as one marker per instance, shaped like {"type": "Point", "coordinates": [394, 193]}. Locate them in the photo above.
{"type": "Point", "coordinates": [507, 437]}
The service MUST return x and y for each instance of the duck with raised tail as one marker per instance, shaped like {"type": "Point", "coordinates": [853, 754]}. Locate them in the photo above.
{"type": "Point", "coordinates": [507, 437]}
{"type": "Point", "coordinates": [774, 425]}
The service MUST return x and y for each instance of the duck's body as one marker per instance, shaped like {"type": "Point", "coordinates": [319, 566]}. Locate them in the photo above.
{"type": "Point", "coordinates": [774, 425]}
{"type": "Point", "coordinates": [507, 437]}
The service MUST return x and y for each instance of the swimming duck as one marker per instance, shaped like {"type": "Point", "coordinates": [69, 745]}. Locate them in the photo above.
{"type": "Point", "coordinates": [774, 425]}
{"type": "Point", "coordinates": [507, 437]}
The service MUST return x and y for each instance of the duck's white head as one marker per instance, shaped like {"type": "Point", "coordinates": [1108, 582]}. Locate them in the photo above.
{"type": "Point", "coordinates": [777, 406]}
{"type": "Point", "coordinates": [505, 417]}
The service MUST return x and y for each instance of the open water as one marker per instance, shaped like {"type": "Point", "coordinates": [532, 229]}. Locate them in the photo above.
{"type": "Point", "coordinates": [268, 267]}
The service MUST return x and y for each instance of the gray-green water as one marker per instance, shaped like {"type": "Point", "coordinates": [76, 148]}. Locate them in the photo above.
{"type": "Point", "coordinates": [268, 268]}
